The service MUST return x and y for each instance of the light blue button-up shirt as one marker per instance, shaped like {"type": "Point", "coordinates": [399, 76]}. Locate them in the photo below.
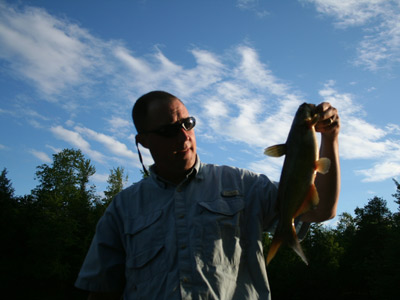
{"type": "Point", "coordinates": [201, 239]}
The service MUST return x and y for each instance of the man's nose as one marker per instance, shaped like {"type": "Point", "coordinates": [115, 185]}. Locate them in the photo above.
{"type": "Point", "coordinates": [183, 134]}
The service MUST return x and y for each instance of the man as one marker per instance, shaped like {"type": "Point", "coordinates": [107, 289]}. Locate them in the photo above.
{"type": "Point", "coordinates": [192, 230]}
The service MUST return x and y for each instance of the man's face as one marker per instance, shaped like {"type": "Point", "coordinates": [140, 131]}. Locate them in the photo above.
{"type": "Point", "coordinates": [173, 156]}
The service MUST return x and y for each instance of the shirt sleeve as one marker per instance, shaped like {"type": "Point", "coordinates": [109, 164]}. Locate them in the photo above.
{"type": "Point", "coordinates": [103, 269]}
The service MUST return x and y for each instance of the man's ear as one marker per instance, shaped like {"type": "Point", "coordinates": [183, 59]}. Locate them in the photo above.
{"type": "Point", "coordinates": [142, 140]}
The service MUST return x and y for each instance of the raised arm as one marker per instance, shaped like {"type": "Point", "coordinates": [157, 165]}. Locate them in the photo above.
{"type": "Point", "coordinates": [328, 185]}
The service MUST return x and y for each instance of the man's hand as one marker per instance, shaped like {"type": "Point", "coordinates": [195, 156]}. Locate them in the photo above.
{"type": "Point", "coordinates": [329, 122]}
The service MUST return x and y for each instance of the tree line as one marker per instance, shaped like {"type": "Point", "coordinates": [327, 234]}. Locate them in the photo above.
{"type": "Point", "coordinates": [45, 236]}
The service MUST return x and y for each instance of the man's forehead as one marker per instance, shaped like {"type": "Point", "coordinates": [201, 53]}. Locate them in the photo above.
{"type": "Point", "coordinates": [167, 111]}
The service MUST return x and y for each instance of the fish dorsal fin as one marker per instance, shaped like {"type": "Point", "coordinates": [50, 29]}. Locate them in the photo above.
{"type": "Point", "coordinates": [276, 150]}
{"type": "Point", "coordinates": [322, 165]}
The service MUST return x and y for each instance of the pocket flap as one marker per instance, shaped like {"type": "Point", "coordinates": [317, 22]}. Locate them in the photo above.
{"type": "Point", "coordinates": [228, 207]}
{"type": "Point", "coordinates": [144, 257]}
{"type": "Point", "coordinates": [138, 223]}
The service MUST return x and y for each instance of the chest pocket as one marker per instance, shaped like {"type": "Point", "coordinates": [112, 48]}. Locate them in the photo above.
{"type": "Point", "coordinates": [145, 248]}
{"type": "Point", "coordinates": [221, 222]}
{"type": "Point", "coordinates": [224, 206]}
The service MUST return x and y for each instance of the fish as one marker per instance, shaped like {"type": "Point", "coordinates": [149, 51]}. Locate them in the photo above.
{"type": "Point", "coordinates": [297, 193]}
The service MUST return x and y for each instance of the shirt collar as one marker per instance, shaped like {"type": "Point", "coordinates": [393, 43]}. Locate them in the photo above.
{"type": "Point", "coordinates": [195, 172]}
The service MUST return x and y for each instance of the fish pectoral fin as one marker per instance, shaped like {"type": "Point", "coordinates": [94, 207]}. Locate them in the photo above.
{"type": "Point", "coordinates": [276, 150]}
{"type": "Point", "coordinates": [322, 165]}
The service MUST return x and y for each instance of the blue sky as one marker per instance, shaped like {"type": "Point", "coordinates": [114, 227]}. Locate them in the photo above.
{"type": "Point", "coordinates": [70, 72]}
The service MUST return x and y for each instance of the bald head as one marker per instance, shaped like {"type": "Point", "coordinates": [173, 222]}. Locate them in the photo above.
{"type": "Point", "coordinates": [141, 108]}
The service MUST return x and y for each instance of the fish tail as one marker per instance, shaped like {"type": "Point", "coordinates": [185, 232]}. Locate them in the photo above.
{"type": "Point", "coordinates": [294, 243]}
{"type": "Point", "coordinates": [276, 243]}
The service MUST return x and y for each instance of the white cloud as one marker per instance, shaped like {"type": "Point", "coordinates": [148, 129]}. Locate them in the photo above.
{"type": "Point", "coordinates": [393, 129]}
{"type": "Point", "coordinates": [251, 105]}
{"type": "Point", "coordinates": [158, 71]}
{"type": "Point", "coordinates": [50, 52]}
{"type": "Point", "coordinates": [360, 139]}
{"type": "Point", "coordinates": [268, 165]}
{"type": "Point", "coordinates": [99, 178]}
{"type": "Point", "coordinates": [119, 126]}
{"type": "Point", "coordinates": [380, 19]}
{"type": "Point", "coordinates": [55, 149]}
{"type": "Point", "coordinates": [253, 6]}
{"type": "Point", "coordinates": [350, 12]}
{"type": "Point", "coordinates": [76, 140]}
{"type": "Point", "coordinates": [41, 156]}
{"type": "Point", "coordinates": [252, 70]}
{"type": "Point", "coordinates": [238, 98]}
{"type": "Point", "coordinates": [381, 171]}
{"type": "Point", "coordinates": [114, 146]}
{"type": "Point", "coordinates": [117, 123]}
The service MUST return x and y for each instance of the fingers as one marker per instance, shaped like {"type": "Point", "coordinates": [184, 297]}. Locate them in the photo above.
{"type": "Point", "coordinates": [329, 121]}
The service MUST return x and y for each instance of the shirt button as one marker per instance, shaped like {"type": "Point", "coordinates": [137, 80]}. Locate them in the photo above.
{"type": "Point", "coordinates": [183, 247]}
{"type": "Point", "coordinates": [185, 279]}
{"type": "Point", "coordinates": [181, 216]}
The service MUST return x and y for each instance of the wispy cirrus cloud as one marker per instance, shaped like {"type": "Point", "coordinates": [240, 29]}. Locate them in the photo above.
{"type": "Point", "coordinates": [51, 53]}
{"type": "Point", "coordinates": [75, 139]}
{"type": "Point", "coordinates": [157, 70]}
{"type": "Point", "coordinates": [113, 145]}
{"type": "Point", "coordinates": [253, 6]}
{"type": "Point", "coordinates": [42, 156]}
{"type": "Point", "coordinates": [238, 98]}
{"type": "Point", "coordinates": [380, 20]}
{"type": "Point", "coordinates": [360, 139]}
{"type": "Point", "coordinates": [253, 95]}
{"type": "Point", "coordinates": [81, 138]}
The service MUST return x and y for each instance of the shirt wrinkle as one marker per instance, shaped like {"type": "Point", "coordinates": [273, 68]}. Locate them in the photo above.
{"type": "Point", "coordinates": [201, 239]}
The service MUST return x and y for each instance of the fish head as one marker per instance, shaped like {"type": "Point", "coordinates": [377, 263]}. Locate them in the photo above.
{"type": "Point", "coordinates": [306, 115]}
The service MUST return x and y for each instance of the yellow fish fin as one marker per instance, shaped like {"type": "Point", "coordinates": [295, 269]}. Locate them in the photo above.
{"type": "Point", "coordinates": [310, 201]}
{"type": "Point", "coordinates": [276, 243]}
{"type": "Point", "coordinates": [276, 150]}
{"type": "Point", "coordinates": [294, 243]}
{"type": "Point", "coordinates": [322, 165]}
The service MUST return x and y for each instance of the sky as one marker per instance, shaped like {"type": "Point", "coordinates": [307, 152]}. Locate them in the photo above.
{"type": "Point", "coordinates": [70, 72]}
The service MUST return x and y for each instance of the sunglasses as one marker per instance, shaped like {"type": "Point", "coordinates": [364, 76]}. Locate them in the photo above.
{"type": "Point", "coordinates": [172, 130]}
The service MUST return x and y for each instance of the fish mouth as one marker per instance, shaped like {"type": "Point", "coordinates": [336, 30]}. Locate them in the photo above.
{"type": "Point", "coordinates": [308, 113]}
{"type": "Point", "coordinates": [312, 120]}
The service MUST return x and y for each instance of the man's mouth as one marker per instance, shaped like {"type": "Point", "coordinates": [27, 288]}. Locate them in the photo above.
{"type": "Point", "coordinates": [182, 151]}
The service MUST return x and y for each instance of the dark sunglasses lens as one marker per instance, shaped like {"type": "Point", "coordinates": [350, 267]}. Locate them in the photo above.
{"type": "Point", "coordinates": [189, 123]}
{"type": "Point", "coordinates": [173, 129]}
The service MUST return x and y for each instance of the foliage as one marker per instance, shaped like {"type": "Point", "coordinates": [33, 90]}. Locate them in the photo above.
{"type": "Point", "coordinates": [45, 237]}
{"type": "Point", "coordinates": [116, 182]}
{"type": "Point", "coordinates": [356, 260]}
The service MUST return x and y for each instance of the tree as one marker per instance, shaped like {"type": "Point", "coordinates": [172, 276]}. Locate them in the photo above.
{"type": "Point", "coordinates": [397, 194]}
{"type": "Point", "coordinates": [116, 181]}
{"type": "Point", "coordinates": [62, 230]}
{"type": "Point", "coordinates": [6, 189]}
{"type": "Point", "coordinates": [375, 213]}
{"type": "Point", "coordinates": [367, 268]}
{"type": "Point", "coordinates": [66, 178]}
{"type": "Point", "coordinates": [346, 229]}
